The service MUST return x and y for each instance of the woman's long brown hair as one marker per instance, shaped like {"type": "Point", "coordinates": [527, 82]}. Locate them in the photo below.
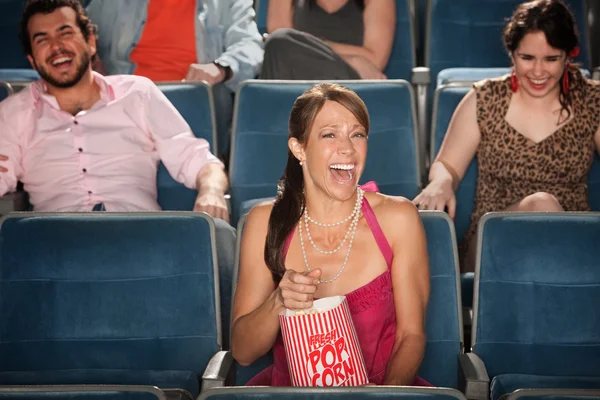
{"type": "Point", "coordinates": [289, 203]}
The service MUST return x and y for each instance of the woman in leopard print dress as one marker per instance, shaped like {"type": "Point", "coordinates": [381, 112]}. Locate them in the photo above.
{"type": "Point", "coordinates": [534, 131]}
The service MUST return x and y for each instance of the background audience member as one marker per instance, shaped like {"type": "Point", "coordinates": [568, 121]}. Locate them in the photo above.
{"type": "Point", "coordinates": [534, 131]}
{"type": "Point", "coordinates": [170, 40]}
{"type": "Point", "coordinates": [80, 141]}
{"type": "Point", "coordinates": [329, 39]}
{"type": "Point", "coordinates": [299, 248]}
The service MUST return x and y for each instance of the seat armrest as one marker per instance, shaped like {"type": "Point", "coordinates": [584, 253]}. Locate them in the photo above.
{"type": "Point", "coordinates": [421, 76]}
{"type": "Point", "coordinates": [476, 383]}
{"type": "Point", "coordinates": [217, 370]}
{"type": "Point", "coordinates": [596, 73]}
{"type": "Point", "coordinates": [421, 79]}
{"type": "Point", "coordinates": [14, 201]}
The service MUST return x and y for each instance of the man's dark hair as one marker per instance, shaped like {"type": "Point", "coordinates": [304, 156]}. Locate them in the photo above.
{"type": "Point", "coordinates": [33, 7]}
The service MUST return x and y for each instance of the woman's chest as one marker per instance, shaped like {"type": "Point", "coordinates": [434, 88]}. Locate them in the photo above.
{"type": "Point", "coordinates": [357, 262]}
{"type": "Point", "coordinates": [566, 154]}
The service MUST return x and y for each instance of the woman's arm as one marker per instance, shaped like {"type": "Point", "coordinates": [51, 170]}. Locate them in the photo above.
{"type": "Point", "coordinates": [255, 307]}
{"type": "Point", "coordinates": [456, 153]}
{"type": "Point", "coordinates": [258, 300]}
{"type": "Point", "coordinates": [380, 25]}
{"type": "Point", "coordinates": [279, 15]}
{"type": "Point", "coordinates": [410, 280]}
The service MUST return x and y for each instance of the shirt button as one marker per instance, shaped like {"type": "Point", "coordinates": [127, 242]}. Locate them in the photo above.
{"type": "Point", "coordinates": [80, 149]}
{"type": "Point", "coordinates": [75, 122]}
{"type": "Point", "coordinates": [84, 170]}
{"type": "Point", "coordinates": [89, 192]}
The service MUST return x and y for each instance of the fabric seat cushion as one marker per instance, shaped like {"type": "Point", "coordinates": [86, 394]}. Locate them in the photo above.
{"type": "Point", "coordinates": [185, 380]}
{"type": "Point", "coordinates": [508, 383]}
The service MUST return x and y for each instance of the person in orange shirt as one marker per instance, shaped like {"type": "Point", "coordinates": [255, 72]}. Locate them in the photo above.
{"type": "Point", "coordinates": [216, 41]}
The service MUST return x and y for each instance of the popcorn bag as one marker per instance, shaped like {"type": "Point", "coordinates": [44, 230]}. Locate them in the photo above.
{"type": "Point", "coordinates": [321, 345]}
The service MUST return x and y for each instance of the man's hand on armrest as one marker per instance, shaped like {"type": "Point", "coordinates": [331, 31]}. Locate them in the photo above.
{"type": "Point", "coordinates": [212, 185]}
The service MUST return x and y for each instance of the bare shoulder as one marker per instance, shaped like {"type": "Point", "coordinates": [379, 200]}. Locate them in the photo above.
{"type": "Point", "coordinates": [258, 217]}
{"type": "Point", "coordinates": [391, 209]}
{"type": "Point", "coordinates": [398, 218]}
{"type": "Point", "coordinates": [254, 234]}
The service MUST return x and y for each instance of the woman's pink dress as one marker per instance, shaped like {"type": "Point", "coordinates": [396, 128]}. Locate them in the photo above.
{"type": "Point", "coordinates": [373, 314]}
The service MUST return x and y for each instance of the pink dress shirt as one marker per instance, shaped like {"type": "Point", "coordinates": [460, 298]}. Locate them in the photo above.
{"type": "Point", "coordinates": [109, 153]}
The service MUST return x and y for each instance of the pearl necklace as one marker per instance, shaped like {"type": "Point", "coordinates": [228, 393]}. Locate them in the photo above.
{"type": "Point", "coordinates": [359, 196]}
{"type": "Point", "coordinates": [351, 230]}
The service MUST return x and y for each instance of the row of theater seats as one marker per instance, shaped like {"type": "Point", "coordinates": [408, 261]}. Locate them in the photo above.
{"type": "Point", "coordinates": [434, 31]}
{"type": "Point", "coordinates": [140, 299]}
{"type": "Point", "coordinates": [259, 140]}
{"type": "Point", "coordinates": [437, 35]}
{"type": "Point", "coordinates": [438, 29]}
{"type": "Point", "coordinates": [441, 28]}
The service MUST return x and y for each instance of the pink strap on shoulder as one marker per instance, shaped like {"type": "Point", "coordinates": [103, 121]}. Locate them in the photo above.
{"type": "Point", "coordinates": [286, 245]}
{"type": "Point", "coordinates": [380, 239]}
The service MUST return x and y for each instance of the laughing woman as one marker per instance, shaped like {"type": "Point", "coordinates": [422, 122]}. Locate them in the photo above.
{"type": "Point", "coordinates": [534, 131]}
{"type": "Point", "coordinates": [326, 236]}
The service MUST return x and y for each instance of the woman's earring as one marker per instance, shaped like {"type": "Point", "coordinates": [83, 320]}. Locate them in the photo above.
{"type": "Point", "coordinates": [514, 82]}
{"type": "Point", "coordinates": [565, 80]}
{"type": "Point", "coordinates": [300, 162]}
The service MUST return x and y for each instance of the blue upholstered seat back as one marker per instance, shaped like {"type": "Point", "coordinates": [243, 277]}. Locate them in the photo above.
{"type": "Point", "coordinates": [537, 290]}
{"type": "Point", "coordinates": [108, 291]}
{"type": "Point", "coordinates": [13, 55]}
{"type": "Point", "coordinates": [444, 319]}
{"type": "Point", "coordinates": [403, 57]}
{"type": "Point", "coordinates": [260, 138]}
{"type": "Point", "coordinates": [195, 103]}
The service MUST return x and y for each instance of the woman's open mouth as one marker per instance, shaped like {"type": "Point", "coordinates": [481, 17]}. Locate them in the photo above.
{"type": "Point", "coordinates": [343, 173]}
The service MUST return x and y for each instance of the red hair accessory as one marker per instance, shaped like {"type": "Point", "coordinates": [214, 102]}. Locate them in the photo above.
{"type": "Point", "coordinates": [574, 53]}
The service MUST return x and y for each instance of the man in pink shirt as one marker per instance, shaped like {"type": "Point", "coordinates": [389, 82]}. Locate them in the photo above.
{"type": "Point", "coordinates": [80, 141]}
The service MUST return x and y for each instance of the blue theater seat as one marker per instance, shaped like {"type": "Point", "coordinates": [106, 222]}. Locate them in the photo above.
{"type": "Point", "coordinates": [537, 287]}
{"type": "Point", "coordinates": [260, 135]}
{"type": "Point", "coordinates": [110, 298]}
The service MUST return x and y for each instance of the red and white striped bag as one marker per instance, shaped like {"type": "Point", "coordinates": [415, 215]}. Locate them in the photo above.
{"type": "Point", "coordinates": [321, 345]}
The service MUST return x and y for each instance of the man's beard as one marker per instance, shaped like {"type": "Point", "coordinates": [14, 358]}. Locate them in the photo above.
{"type": "Point", "coordinates": [81, 70]}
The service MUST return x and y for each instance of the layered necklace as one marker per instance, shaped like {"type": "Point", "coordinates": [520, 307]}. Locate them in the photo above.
{"type": "Point", "coordinates": [354, 216]}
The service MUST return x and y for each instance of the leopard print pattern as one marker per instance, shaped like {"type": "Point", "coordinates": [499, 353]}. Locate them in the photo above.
{"type": "Point", "coordinates": [512, 166]}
